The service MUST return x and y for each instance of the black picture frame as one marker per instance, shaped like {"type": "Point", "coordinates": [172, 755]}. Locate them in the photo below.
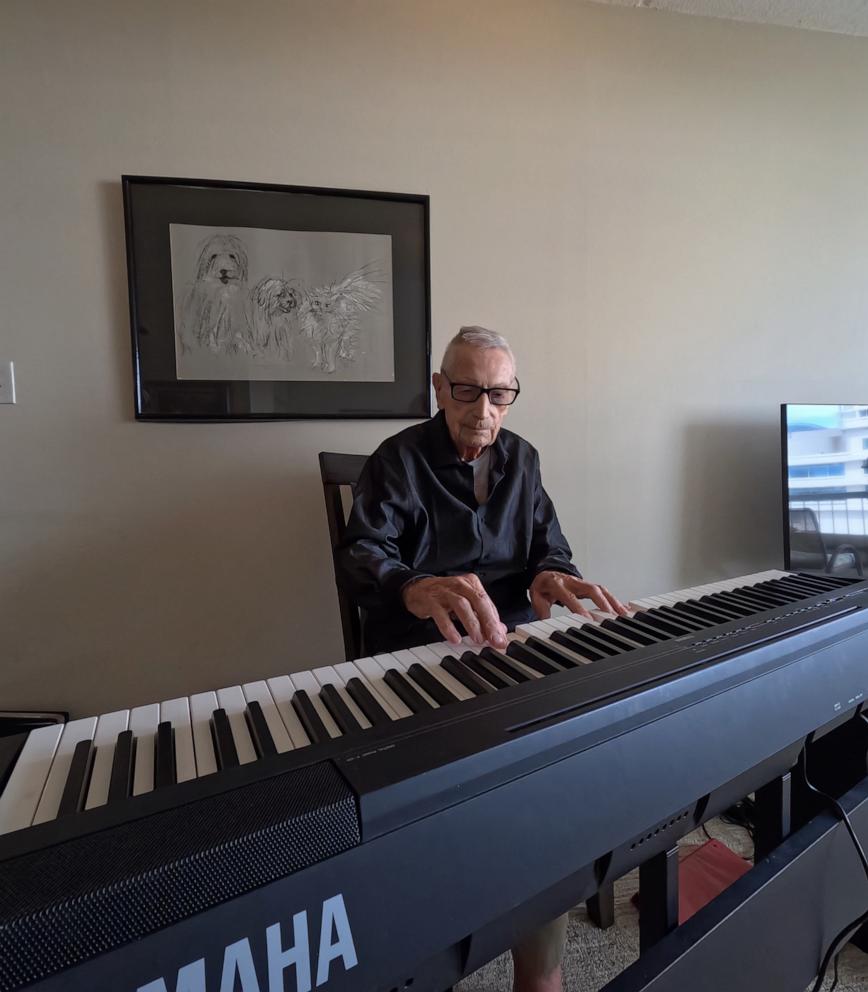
{"type": "Point", "coordinates": [152, 204]}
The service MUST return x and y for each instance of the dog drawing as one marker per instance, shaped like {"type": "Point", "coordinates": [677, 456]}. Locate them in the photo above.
{"type": "Point", "coordinates": [214, 314]}
{"type": "Point", "coordinates": [329, 317]}
{"type": "Point", "coordinates": [274, 308]}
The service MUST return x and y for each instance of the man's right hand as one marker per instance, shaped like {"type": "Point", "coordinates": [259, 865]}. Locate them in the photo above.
{"type": "Point", "coordinates": [462, 596]}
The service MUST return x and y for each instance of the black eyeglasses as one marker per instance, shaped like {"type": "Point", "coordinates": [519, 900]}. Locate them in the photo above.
{"type": "Point", "coordinates": [466, 392]}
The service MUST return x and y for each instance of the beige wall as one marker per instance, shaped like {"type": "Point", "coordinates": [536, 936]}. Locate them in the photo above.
{"type": "Point", "coordinates": [667, 216]}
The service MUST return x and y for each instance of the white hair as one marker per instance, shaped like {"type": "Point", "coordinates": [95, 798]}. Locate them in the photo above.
{"type": "Point", "coordinates": [476, 337]}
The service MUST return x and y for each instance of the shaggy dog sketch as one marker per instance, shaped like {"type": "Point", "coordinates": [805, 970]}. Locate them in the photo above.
{"type": "Point", "coordinates": [214, 314]}
{"type": "Point", "coordinates": [329, 316]}
{"type": "Point", "coordinates": [274, 307]}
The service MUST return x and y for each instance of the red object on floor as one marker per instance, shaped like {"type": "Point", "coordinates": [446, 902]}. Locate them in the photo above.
{"type": "Point", "coordinates": [703, 873]}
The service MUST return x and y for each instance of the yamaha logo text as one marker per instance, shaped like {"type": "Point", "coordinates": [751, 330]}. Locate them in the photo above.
{"type": "Point", "coordinates": [286, 957]}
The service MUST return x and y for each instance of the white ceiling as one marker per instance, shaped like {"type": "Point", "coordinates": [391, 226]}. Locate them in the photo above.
{"type": "Point", "coordinates": [841, 16]}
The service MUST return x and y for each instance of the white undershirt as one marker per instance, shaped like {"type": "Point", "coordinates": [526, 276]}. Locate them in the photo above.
{"type": "Point", "coordinates": [480, 476]}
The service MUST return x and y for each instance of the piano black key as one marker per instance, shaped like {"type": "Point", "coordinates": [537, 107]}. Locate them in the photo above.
{"type": "Point", "coordinates": [764, 592]}
{"type": "Point", "coordinates": [730, 603]}
{"type": "Point", "coordinates": [756, 602]}
{"type": "Point", "coordinates": [636, 629]}
{"type": "Point", "coordinates": [776, 590]}
{"type": "Point", "coordinates": [473, 662]}
{"type": "Point", "coordinates": [504, 664]}
{"type": "Point", "coordinates": [224, 743]}
{"type": "Point", "coordinates": [435, 688]}
{"type": "Point", "coordinates": [164, 755]}
{"type": "Point", "coordinates": [587, 634]}
{"type": "Point", "coordinates": [686, 618]}
{"type": "Point", "coordinates": [310, 719]}
{"type": "Point", "coordinates": [465, 676]}
{"type": "Point", "coordinates": [259, 732]}
{"type": "Point", "coordinates": [532, 658]}
{"type": "Point", "coordinates": [692, 608]}
{"type": "Point", "coordinates": [10, 748]}
{"type": "Point", "coordinates": [123, 763]}
{"type": "Point", "coordinates": [403, 689]}
{"type": "Point", "coordinates": [621, 642]}
{"type": "Point", "coordinates": [364, 699]}
{"type": "Point", "coordinates": [725, 613]}
{"type": "Point", "coordinates": [75, 790]}
{"type": "Point", "coordinates": [812, 582]}
{"type": "Point", "coordinates": [666, 625]}
{"type": "Point", "coordinates": [832, 581]}
{"type": "Point", "coordinates": [341, 713]}
{"type": "Point", "coordinates": [566, 638]}
{"type": "Point", "coordinates": [561, 654]}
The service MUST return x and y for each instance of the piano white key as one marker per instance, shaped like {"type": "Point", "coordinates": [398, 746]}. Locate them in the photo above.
{"type": "Point", "coordinates": [143, 723]}
{"type": "Point", "coordinates": [20, 798]}
{"type": "Point", "coordinates": [432, 662]}
{"type": "Point", "coordinates": [202, 706]}
{"type": "Point", "coordinates": [348, 670]}
{"type": "Point", "coordinates": [232, 700]}
{"type": "Point", "coordinates": [327, 675]}
{"type": "Point", "coordinates": [108, 726]}
{"type": "Point", "coordinates": [259, 692]}
{"type": "Point", "coordinates": [282, 691]}
{"type": "Point", "coordinates": [444, 649]}
{"type": "Point", "coordinates": [177, 712]}
{"type": "Point", "coordinates": [307, 682]}
{"type": "Point", "coordinates": [535, 628]}
{"type": "Point", "coordinates": [77, 730]}
{"type": "Point", "coordinates": [374, 674]}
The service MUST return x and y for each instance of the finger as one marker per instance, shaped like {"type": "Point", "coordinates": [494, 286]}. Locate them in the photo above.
{"type": "Point", "coordinates": [492, 629]}
{"type": "Point", "coordinates": [596, 594]}
{"type": "Point", "coordinates": [445, 625]}
{"type": "Point", "coordinates": [615, 604]}
{"type": "Point", "coordinates": [464, 611]}
{"type": "Point", "coordinates": [540, 604]}
{"type": "Point", "coordinates": [574, 604]}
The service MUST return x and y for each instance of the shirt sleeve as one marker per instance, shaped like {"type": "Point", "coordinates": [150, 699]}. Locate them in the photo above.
{"type": "Point", "coordinates": [369, 561]}
{"type": "Point", "coordinates": [549, 549]}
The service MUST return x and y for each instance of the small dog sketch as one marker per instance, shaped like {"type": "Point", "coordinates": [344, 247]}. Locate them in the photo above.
{"type": "Point", "coordinates": [214, 314]}
{"type": "Point", "coordinates": [329, 317]}
{"type": "Point", "coordinates": [274, 306]}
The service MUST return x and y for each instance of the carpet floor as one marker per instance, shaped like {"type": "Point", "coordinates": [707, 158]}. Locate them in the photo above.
{"type": "Point", "coordinates": [594, 957]}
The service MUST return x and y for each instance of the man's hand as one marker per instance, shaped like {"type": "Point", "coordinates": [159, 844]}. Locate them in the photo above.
{"type": "Point", "coordinates": [549, 588]}
{"type": "Point", "coordinates": [461, 596]}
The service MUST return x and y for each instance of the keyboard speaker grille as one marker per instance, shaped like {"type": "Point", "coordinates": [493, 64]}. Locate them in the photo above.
{"type": "Point", "coordinates": [79, 899]}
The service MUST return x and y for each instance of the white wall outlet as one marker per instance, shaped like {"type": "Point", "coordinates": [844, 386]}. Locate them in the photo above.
{"type": "Point", "coordinates": [7, 382]}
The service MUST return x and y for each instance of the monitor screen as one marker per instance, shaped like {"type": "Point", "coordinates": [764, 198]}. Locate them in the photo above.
{"type": "Point", "coordinates": [825, 481]}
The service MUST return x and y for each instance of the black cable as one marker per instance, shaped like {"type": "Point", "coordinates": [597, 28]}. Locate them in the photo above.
{"type": "Point", "coordinates": [841, 813]}
{"type": "Point", "coordinates": [705, 831]}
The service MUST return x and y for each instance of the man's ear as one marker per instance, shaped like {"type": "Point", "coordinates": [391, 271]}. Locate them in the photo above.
{"type": "Point", "coordinates": [437, 383]}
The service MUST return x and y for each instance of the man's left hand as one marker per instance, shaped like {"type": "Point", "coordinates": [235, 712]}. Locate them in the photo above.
{"type": "Point", "coordinates": [549, 588]}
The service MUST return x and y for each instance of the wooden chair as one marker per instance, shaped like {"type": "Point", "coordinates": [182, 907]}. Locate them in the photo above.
{"type": "Point", "coordinates": [340, 472]}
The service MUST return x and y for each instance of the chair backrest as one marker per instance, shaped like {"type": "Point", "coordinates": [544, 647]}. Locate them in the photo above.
{"type": "Point", "coordinates": [339, 472]}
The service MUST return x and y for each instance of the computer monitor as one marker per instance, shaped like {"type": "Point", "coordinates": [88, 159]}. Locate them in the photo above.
{"type": "Point", "coordinates": [825, 487]}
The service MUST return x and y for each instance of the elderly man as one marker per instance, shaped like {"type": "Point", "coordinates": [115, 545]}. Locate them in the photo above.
{"type": "Point", "coordinates": [451, 526]}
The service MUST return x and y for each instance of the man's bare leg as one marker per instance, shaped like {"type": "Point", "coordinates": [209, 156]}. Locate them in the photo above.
{"type": "Point", "coordinates": [537, 959]}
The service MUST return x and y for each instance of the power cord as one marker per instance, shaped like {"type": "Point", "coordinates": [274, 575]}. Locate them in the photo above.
{"type": "Point", "coordinates": [841, 813]}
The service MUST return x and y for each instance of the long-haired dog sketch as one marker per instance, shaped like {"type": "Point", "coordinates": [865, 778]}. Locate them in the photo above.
{"type": "Point", "coordinates": [329, 316]}
{"type": "Point", "coordinates": [274, 307]}
{"type": "Point", "coordinates": [214, 314]}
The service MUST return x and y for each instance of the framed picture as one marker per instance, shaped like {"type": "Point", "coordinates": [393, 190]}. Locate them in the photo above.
{"type": "Point", "coordinates": [264, 302]}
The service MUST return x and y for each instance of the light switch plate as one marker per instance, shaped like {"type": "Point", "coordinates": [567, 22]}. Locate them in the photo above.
{"type": "Point", "coordinates": [7, 382]}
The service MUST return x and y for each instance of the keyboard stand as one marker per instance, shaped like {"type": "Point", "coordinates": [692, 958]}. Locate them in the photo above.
{"type": "Point", "coordinates": [772, 927]}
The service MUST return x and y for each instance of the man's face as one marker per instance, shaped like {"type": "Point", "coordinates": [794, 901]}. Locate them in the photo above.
{"type": "Point", "coordinates": [473, 426]}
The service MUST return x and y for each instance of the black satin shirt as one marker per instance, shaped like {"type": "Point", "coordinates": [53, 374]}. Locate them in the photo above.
{"type": "Point", "coordinates": [415, 514]}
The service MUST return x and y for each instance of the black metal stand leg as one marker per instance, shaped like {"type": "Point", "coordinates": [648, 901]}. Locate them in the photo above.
{"type": "Point", "coordinates": [601, 906]}
{"type": "Point", "coordinates": [658, 898]}
{"type": "Point", "coordinates": [773, 811]}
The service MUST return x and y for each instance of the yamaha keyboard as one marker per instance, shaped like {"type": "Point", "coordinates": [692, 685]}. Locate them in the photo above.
{"type": "Point", "coordinates": [400, 820]}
